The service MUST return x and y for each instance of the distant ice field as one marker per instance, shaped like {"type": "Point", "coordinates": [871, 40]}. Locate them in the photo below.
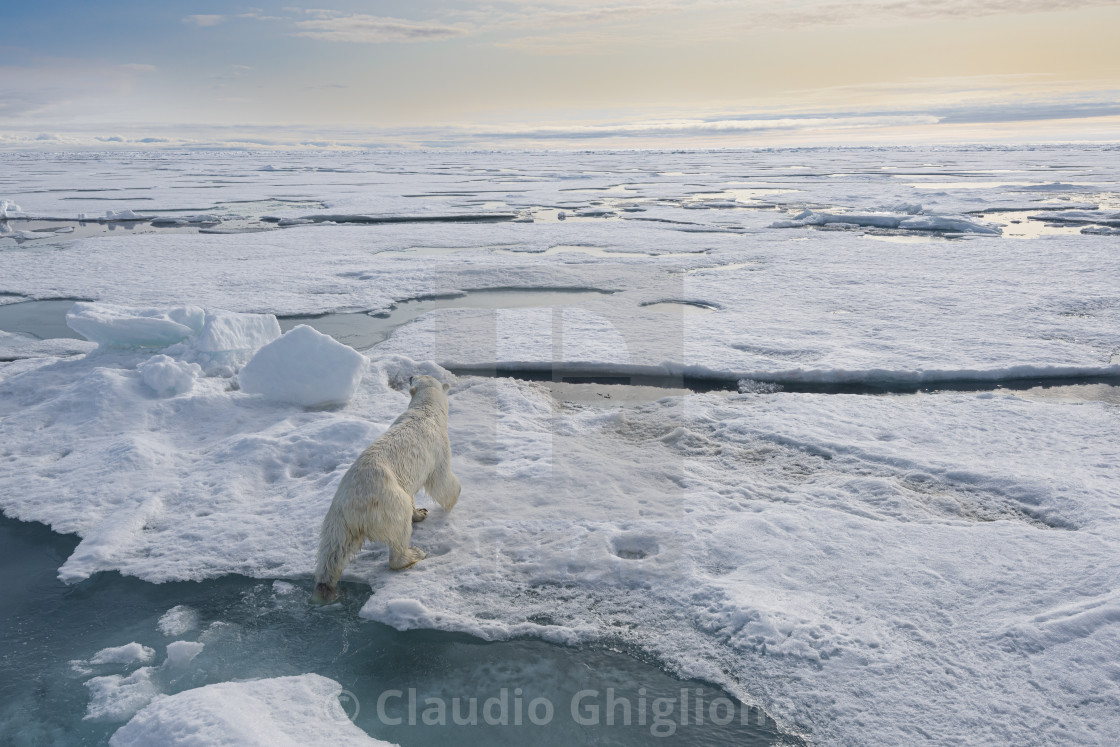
{"type": "Point", "coordinates": [865, 569]}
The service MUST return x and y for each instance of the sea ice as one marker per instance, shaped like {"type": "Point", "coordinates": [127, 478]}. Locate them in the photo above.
{"type": "Point", "coordinates": [217, 340]}
{"type": "Point", "coordinates": [1076, 217]}
{"type": "Point", "coordinates": [228, 339]}
{"type": "Point", "coordinates": [116, 697]}
{"type": "Point", "coordinates": [304, 367]}
{"type": "Point", "coordinates": [298, 711]}
{"type": "Point", "coordinates": [168, 377]}
{"type": "Point", "coordinates": [182, 653]}
{"type": "Point", "coordinates": [111, 216]}
{"type": "Point", "coordinates": [907, 222]}
{"type": "Point", "coordinates": [130, 653]}
{"type": "Point", "coordinates": [9, 209]}
{"type": "Point", "coordinates": [177, 621]}
{"type": "Point", "coordinates": [813, 553]}
{"type": "Point", "coordinates": [185, 220]}
{"type": "Point", "coordinates": [113, 326]}
{"type": "Point", "coordinates": [14, 347]}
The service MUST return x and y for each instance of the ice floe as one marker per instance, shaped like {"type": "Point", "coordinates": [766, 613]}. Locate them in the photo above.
{"type": "Point", "coordinates": [130, 653]}
{"type": "Point", "coordinates": [1079, 217]}
{"type": "Point", "coordinates": [300, 710]}
{"type": "Point", "coordinates": [182, 653]}
{"type": "Point", "coordinates": [113, 326]}
{"type": "Point", "coordinates": [116, 697]}
{"type": "Point", "coordinates": [853, 533]}
{"type": "Point", "coordinates": [111, 216]}
{"type": "Point", "coordinates": [949, 559]}
{"type": "Point", "coordinates": [214, 339]}
{"type": "Point", "coordinates": [903, 222]}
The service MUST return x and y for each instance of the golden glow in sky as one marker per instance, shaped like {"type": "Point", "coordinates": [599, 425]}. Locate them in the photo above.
{"type": "Point", "coordinates": [559, 73]}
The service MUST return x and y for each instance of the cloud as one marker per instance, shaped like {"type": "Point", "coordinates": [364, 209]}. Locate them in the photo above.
{"type": "Point", "coordinates": [830, 12]}
{"type": "Point", "coordinates": [366, 29]}
{"type": "Point", "coordinates": [690, 127]}
{"type": "Point", "coordinates": [57, 84]}
{"type": "Point", "coordinates": [593, 27]}
{"type": "Point", "coordinates": [203, 20]}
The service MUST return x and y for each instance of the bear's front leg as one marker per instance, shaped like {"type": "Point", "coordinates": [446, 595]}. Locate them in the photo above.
{"type": "Point", "coordinates": [419, 514]}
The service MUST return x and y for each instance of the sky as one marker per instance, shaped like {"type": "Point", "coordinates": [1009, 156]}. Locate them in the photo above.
{"type": "Point", "coordinates": [556, 73]}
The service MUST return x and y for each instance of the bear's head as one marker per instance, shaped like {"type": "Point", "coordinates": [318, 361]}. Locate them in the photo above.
{"type": "Point", "coordinates": [421, 383]}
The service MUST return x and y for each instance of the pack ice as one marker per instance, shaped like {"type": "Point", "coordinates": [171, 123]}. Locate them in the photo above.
{"type": "Point", "coordinates": [298, 711]}
{"type": "Point", "coordinates": [932, 567]}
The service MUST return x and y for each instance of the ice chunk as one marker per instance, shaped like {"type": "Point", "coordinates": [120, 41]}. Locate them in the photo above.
{"type": "Point", "coordinates": [214, 339]}
{"type": "Point", "coordinates": [227, 331]}
{"type": "Point", "coordinates": [127, 327]}
{"type": "Point", "coordinates": [304, 367]}
{"type": "Point", "coordinates": [1101, 230]}
{"type": "Point", "coordinates": [182, 653]}
{"type": "Point", "coordinates": [1079, 216]}
{"type": "Point", "coordinates": [178, 620]}
{"type": "Point", "coordinates": [112, 215]}
{"type": "Point", "coordinates": [1051, 187]}
{"type": "Point", "coordinates": [116, 697]}
{"type": "Point", "coordinates": [301, 710]}
{"type": "Point", "coordinates": [908, 222]}
{"type": "Point", "coordinates": [15, 346]}
{"type": "Point", "coordinates": [167, 376]}
{"type": "Point", "coordinates": [909, 208]}
{"type": "Point", "coordinates": [943, 223]}
{"type": "Point", "coordinates": [9, 209]}
{"type": "Point", "coordinates": [130, 653]}
{"type": "Point", "coordinates": [186, 220]}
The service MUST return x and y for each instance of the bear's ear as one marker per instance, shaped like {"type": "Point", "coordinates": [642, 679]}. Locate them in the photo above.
{"type": "Point", "coordinates": [412, 391]}
{"type": "Point", "coordinates": [446, 387]}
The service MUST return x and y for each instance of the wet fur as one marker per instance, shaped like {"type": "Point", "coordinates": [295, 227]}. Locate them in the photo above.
{"type": "Point", "coordinates": [375, 499]}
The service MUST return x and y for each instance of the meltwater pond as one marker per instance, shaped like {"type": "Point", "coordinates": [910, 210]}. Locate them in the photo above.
{"type": "Point", "coordinates": [254, 629]}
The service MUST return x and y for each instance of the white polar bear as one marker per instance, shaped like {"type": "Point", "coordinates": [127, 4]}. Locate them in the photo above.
{"type": "Point", "coordinates": [375, 499]}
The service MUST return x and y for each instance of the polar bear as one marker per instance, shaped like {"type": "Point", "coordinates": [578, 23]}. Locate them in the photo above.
{"type": "Point", "coordinates": [375, 499]}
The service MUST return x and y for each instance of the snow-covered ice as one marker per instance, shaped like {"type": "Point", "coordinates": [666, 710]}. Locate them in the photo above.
{"type": "Point", "coordinates": [182, 653]}
{"type": "Point", "coordinates": [297, 711]}
{"type": "Point", "coordinates": [867, 569]}
{"type": "Point", "coordinates": [123, 327]}
{"type": "Point", "coordinates": [178, 620]}
{"type": "Point", "coordinates": [116, 697]}
{"type": "Point", "coordinates": [167, 376]}
{"type": "Point", "coordinates": [304, 367]}
{"type": "Point", "coordinates": [130, 653]}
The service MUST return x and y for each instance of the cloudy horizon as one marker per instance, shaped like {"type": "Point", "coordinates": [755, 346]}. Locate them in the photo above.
{"type": "Point", "coordinates": [558, 74]}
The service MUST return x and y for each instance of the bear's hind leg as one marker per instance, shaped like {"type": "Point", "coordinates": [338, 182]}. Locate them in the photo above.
{"type": "Point", "coordinates": [400, 512]}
